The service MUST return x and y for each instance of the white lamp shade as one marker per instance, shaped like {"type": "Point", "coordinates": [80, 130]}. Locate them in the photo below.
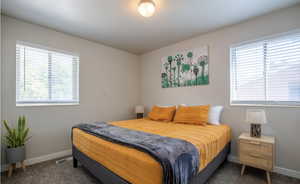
{"type": "Point", "coordinates": [139, 109]}
{"type": "Point", "coordinates": [256, 116]}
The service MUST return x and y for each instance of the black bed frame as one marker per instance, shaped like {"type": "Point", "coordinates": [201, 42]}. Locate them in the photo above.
{"type": "Point", "coordinates": [108, 177]}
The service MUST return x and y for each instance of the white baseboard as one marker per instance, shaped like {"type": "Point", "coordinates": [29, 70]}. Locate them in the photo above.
{"type": "Point", "coordinates": [43, 158]}
{"type": "Point", "coordinates": [233, 159]}
{"type": "Point", "coordinates": [277, 169]}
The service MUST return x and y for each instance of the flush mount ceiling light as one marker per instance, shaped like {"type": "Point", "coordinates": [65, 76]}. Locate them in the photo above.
{"type": "Point", "coordinates": [146, 8]}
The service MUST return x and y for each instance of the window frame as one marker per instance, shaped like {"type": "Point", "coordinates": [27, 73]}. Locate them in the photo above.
{"type": "Point", "coordinates": [288, 104]}
{"type": "Point", "coordinates": [48, 103]}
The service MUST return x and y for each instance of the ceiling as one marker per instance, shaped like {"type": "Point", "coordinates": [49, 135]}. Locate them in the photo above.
{"type": "Point", "coordinates": [118, 24]}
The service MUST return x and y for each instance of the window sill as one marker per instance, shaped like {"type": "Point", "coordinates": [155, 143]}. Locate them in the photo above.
{"type": "Point", "coordinates": [264, 105]}
{"type": "Point", "coordinates": [46, 104]}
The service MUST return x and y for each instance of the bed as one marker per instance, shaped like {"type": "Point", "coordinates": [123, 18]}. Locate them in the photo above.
{"type": "Point", "coordinates": [114, 163]}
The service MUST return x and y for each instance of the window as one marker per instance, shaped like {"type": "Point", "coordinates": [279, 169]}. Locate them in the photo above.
{"type": "Point", "coordinates": [266, 72]}
{"type": "Point", "coordinates": [46, 76]}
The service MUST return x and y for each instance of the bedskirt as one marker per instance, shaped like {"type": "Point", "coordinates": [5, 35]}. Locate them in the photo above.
{"type": "Point", "coordinates": [107, 177]}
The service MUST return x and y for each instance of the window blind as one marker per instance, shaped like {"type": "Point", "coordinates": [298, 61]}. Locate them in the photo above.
{"type": "Point", "coordinates": [46, 76]}
{"type": "Point", "coordinates": [266, 72]}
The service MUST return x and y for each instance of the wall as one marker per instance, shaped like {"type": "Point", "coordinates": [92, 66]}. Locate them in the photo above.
{"type": "Point", "coordinates": [0, 92]}
{"type": "Point", "coordinates": [109, 86]}
{"type": "Point", "coordinates": [284, 123]}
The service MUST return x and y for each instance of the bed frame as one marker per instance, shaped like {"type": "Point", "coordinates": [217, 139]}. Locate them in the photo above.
{"type": "Point", "coordinates": [108, 177]}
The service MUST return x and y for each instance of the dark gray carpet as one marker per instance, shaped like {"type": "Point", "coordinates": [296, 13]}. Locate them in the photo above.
{"type": "Point", "coordinates": [52, 173]}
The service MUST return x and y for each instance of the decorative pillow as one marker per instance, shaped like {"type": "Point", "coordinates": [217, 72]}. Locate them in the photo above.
{"type": "Point", "coordinates": [159, 113]}
{"type": "Point", "coordinates": [215, 113]}
{"type": "Point", "coordinates": [197, 115]}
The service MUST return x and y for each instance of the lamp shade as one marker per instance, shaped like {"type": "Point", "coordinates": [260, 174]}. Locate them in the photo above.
{"type": "Point", "coordinates": [139, 109]}
{"type": "Point", "coordinates": [256, 116]}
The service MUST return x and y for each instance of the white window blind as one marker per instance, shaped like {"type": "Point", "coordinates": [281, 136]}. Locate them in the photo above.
{"type": "Point", "coordinates": [266, 72]}
{"type": "Point", "coordinates": [45, 76]}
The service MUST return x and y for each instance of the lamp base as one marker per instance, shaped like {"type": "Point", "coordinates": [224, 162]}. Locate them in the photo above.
{"type": "Point", "coordinates": [255, 130]}
{"type": "Point", "coordinates": [139, 115]}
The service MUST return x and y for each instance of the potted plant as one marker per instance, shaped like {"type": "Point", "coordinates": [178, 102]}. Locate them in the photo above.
{"type": "Point", "coordinates": [15, 140]}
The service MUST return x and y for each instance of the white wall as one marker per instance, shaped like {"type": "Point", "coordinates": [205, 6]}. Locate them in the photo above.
{"type": "Point", "coordinates": [109, 86]}
{"type": "Point", "coordinates": [284, 123]}
{"type": "Point", "coordinates": [0, 92]}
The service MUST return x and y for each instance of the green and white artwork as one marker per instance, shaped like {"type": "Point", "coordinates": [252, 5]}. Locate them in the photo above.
{"type": "Point", "coordinates": [188, 68]}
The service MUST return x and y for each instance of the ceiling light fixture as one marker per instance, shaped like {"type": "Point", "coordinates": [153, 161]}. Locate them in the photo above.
{"type": "Point", "coordinates": [146, 8]}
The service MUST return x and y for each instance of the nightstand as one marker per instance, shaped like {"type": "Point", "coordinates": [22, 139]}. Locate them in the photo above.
{"type": "Point", "coordinates": [257, 152]}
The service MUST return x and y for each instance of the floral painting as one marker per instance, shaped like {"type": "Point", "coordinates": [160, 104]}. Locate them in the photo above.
{"type": "Point", "coordinates": [188, 68]}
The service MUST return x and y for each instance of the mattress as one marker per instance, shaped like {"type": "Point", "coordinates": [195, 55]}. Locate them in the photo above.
{"type": "Point", "coordinates": [140, 168]}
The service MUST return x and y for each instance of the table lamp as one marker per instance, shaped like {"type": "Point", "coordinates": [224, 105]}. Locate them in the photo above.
{"type": "Point", "coordinates": [256, 117]}
{"type": "Point", "coordinates": [139, 110]}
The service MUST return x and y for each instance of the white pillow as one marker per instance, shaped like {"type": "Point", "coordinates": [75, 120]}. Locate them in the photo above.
{"type": "Point", "coordinates": [215, 115]}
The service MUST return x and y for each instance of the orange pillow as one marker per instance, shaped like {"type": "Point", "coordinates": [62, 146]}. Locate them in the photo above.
{"type": "Point", "coordinates": [197, 115]}
{"type": "Point", "coordinates": [162, 113]}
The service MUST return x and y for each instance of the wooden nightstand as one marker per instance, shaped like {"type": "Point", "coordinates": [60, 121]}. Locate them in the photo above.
{"type": "Point", "coordinates": [257, 152]}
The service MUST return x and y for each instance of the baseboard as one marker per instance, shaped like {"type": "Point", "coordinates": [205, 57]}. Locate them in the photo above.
{"type": "Point", "coordinates": [233, 159]}
{"type": "Point", "coordinates": [277, 169]}
{"type": "Point", "coordinates": [287, 172]}
{"type": "Point", "coordinates": [43, 158]}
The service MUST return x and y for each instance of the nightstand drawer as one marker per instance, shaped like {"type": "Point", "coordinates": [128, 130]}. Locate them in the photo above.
{"type": "Point", "coordinates": [259, 149]}
{"type": "Point", "coordinates": [256, 160]}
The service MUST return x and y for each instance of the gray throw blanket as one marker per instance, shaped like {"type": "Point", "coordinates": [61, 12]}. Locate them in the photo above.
{"type": "Point", "coordinates": [178, 158]}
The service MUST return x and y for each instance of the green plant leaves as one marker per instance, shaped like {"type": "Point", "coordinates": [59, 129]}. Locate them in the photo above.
{"type": "Point", "coordinates": [18, 136]}
{"type": "Point", "coordinates": [7, 127]}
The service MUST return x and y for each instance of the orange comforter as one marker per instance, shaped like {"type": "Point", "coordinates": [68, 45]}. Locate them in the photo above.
{"type": "Point", "coordinates": [140, 168]}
